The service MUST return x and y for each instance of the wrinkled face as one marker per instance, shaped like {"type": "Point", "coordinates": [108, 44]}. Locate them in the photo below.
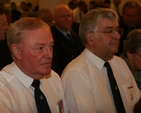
{"type": "Point", "coordinates": [35, 52]}
{"type": "Point", "coordinates": [63, 19]}
{"type": "Point", "coordinates": [3, 27]}
{"type": "Point", "coordinates": [106, 39]}
{"type": "Point", "coordinates": [130, 16]}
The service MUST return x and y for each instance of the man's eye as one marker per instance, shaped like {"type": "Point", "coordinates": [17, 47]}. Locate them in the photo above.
{"type": "Point", "coordinates": [52, 46]}
{"type": "Point", "coordinates": [40, 48]}
{"type": "Point", "coordinates": [109, 31]}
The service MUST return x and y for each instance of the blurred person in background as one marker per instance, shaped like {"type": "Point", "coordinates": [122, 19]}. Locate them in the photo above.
{"type": "Point", "coordinates": [46, 15]}
{"type": "Point", "coordinates": [92, 5]}
{"type": "Point", "coordinates": [67, 44]}
{"type": "Point", "coordinates": [5, 56]}
{"type": "Point", "coordinates": [15, 13]}
{"type": "Point", "coordinates": [72, 4]}
{"type": "Point", "coordinates": [115, 6]}
{"type": "Point", "coordinates": [132, 54]}
{"type": "Point", "coordinates": [79, 11]}
{"type": "Point", "coordinates": [129, 20]}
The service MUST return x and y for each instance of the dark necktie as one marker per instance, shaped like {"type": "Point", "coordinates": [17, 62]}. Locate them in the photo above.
{"type": "Point", "coordinates": [116, 94]}
{"type": "Point", "coordinates": [41, 102]}
{"type": "Point", "coordinates": [70, 38]}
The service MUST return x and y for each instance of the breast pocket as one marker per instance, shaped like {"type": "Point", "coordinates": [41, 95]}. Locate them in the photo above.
{"type": "Point", "coordinates": [129, 96]}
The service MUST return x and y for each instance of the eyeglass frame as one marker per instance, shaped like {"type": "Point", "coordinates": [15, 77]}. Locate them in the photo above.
{"type": "Point", "coordinates": [138, 55]}
{"type": "Point", "coordinates": [111, 32]}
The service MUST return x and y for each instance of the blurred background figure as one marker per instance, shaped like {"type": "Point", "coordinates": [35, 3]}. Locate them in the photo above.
{"type": "Point", "coordinates": [2, 5]}
{"type": "Point", "coordinates": [28, 11]}
{"type": "Point", "coordinates": [92, 5]}
{"type": "Point", "coordinates": [46, 15]}
{"type": "Point", "coordinates": [115, 6]}
{"type": "Point", "coordinates": [79, 11]}
{"type": "Point", "coordinates": [102, 3]}
{"type": "Point", "coordinates": [129, 20]}
{"type": "Point", "coordinates": [132, 54]}
{"type": "Point", "coordinates": [29, 7]}
{"type": "Point", "coordinates": [99, 3]}
{"type": "Point", "coordinates": [15, 13]}
{"type": "Point", "coordinates": [7, 12]}
{"type": "Point", "coordinates": [106, 3]}
{"type": "Point", "coordinates": [5, 56]}
{"type": "Point", "coordinates": [72, 4]}
{"type": "Point", "coordinates": [23, 7]}
{"type": "Point", "coordinates": [67, 44]}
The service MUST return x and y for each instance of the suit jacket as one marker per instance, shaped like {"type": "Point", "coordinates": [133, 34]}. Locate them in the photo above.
{"type": "Point", "coordinates": [64, 50]}
{"type": "Point", "coordinates": [5, 56]}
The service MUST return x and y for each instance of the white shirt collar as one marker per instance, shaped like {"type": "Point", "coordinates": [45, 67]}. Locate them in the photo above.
{"type": "Point", "coordinates": [25, 79]}
{"type": "Point", "coordinates": [98, 62]}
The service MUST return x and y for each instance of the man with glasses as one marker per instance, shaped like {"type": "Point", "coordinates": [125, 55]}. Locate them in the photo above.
{"type": "Point", "coordinates": [85, 81]}
{"type": "Point", "coordinates": [132, 54]}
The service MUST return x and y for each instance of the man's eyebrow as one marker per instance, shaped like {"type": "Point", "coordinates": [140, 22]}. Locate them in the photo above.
{"type": "Point", "coordinates": [38, 44]}
{"type": "Point", "coordinates": [110, 28]}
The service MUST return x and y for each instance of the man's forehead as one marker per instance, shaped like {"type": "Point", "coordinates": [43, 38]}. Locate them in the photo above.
{"type": "Point", "coordinates": [107, 24]}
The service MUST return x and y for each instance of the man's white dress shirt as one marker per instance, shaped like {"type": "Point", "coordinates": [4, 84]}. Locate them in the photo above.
{"type": "Point", "coordinates": [17, 94]}
{"type": "Point", "coordinates": [87, 88]}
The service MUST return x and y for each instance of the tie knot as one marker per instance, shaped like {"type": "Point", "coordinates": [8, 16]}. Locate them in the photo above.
{"type": "Point", "coordinates": [36, 83]}
{"type": "Point", "coordinates": [68, 35]}
{"type": "Point", "coordinates": [107, 65]}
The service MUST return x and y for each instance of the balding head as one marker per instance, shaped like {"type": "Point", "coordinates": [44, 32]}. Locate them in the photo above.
{"type": "Point", "coordinates": [62, 16]}
{"type": "Point", "coordinates": [60, 8]}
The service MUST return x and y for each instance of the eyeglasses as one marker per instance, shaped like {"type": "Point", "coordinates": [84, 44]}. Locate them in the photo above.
{"type": "Point", "coordinates": [111, 32]}
{"type": "Point", "coordinates": [138, 55]}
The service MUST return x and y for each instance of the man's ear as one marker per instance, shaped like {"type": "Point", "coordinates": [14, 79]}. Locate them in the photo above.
{"type": "Point", "coordinates": [16, 51]}
{"type": "Point", "coordinates": [90, 38]}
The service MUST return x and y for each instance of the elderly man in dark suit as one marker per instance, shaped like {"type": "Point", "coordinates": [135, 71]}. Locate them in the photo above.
{"type": "Point", "coordinates": [67, 44]}
{"type": "Point", "coordinates": [129, 21]}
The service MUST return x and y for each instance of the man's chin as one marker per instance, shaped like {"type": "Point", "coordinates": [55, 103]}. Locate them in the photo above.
{"type": "Point", "coordinates": [47, 71]}
{"type": "Point", "coordinates": [115, 50]}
